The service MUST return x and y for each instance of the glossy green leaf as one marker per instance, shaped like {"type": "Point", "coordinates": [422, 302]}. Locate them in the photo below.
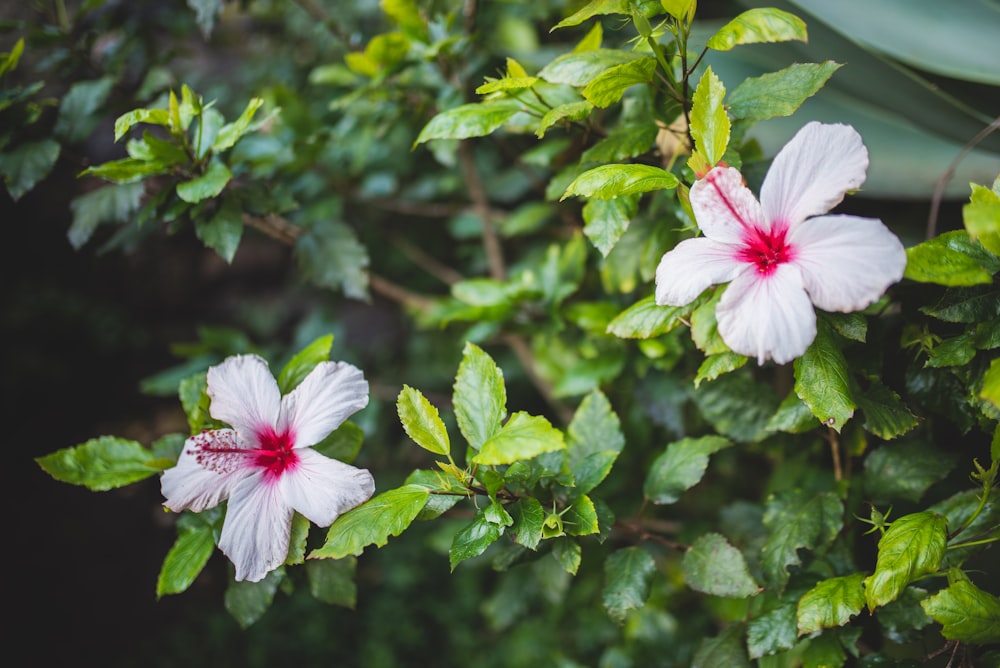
{"type": "Point", "coordinates": [185, 560]}
{"type": "Point", "coordinates": [332, 581]}
{"type": "Point", "coordinates": [646, 319]}
{"type": "Point", "coordinates": [480, 396]}
{"type": "Point", "coordinates": [303, 362]}
{"type": "Point", "coordinates": [948, 259]}
{"type": "Point", "coordinates": [571, 111]}
{"type": "Point", "coordinates": [608, 87]}
{"type": "Point", "coordinates": [822, 381]}
{"type": "Point", "coordinates": [982, 217]}
{"type": "Point", "coordinates": [796, 521]}
{"type": "Point", "coordinates": [779, 93]}
{"type": "Point", "coordinates": [373, 522]}
{"type": "Point", "coordinates": [831, 603]}
{"type": "Point", "coordinates": [208, 185]}
{"type": "Point", "coordinates": [628, 574]}
{"type": "Point", "coordinates": [606, 220]}
{"type": "Point", "coordinates": [103, 463]}
{"type": "Point", "coordinates": [469, 120]}
{"type": "Point", "coordinates": [247, 601]}
{"type": "Point", "coordinates": [610, 181]}
{"type": "Point", "coordinates": [230, 133]}
{"type": "Point", "coordinates": [705, 327]}
{"type": "Point", "coordinates": [965, 612]}
{"type": "Point", "coordinates": [422, 422]}
{"type": "Point", "coordinates": [523, 436]}
{"type": "Point", "coordinates": [473, 539]}
{"type": "Point", "coordinates": [580, 518]}
{"type": "Point", "coordinates": [580, 68]}
{"type": "Point", "coordinates": [710, 126]}
{"type": "Point", "coordinates": [991, 384]}
{"type": "Point", "coordinates": [772, 631]}
{"type": "Point", "coordinates": [528, 518]}
{"type": "Point", "coordinates": [912, 547]}
{"type": "Point", "coordinates": [761, 24]}
{"type": "Point", "coordinates": [885, 414]}
{"type": "Point", "coordinates": [23, 167]}
{"type": "Point", "coordinates": [681, 467]}
{"type": "Point", "coordinates": [717, 364]}
{"type": "Point", "coordinates": [713, 566]}
{"type": "Point", "coordinates": [594, 8]}
{"type": "Point", "coordinates": [130, 119]}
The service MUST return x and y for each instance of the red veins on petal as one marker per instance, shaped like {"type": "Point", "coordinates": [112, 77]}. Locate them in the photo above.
{"type": "Point", "coordinates": [276, 453]}
{"type": "Point", "coordinates": [765, 249]}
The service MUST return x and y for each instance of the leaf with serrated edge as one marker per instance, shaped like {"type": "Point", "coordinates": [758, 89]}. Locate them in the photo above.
{"type": "Point", "coordinates": [523, 437]}
{"type": "Point", "coordinates": [102, 463]}
{"type": "Point", "coordinates": [965, 612]}
{"type": "Point", "coordinates": [797, 521]}
{"type": "Point", "coordinates": [373, 522]}
{"type": "Point", "coordinates": [480, 396]}
{"type": "Point", "coordinates": [710, 125]}
{"type": "Point", "coordinates": [628, 574]}
{"type": "Point", "coordinates": [779, 93]}
{"type": "Point", "coordinates": [822, 381]}
{"type": "Point", "coordinates": [473, 540]}
{"type": "Point", "coordinates": [469, 120]}
{"type": "Point", "coordinates": [421, 421]}
{"type": "Point", "coordinates": [713, 566]}
{"type": "Point", "coordinates": [761, 24]}
{"type": "Point", "coordinates": [609, 181]}
{"type": "Point", "coordinates": [185, 560]}
{"type": "Point", "coordinates": [680, 467]}
{"type": "Point", "coordinates": [831, 603]}
{"type": "Point", "coordinates": [912, 546]}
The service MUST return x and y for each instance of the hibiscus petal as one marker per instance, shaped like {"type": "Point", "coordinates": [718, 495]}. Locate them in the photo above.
{"type": "Point", "coordinates": [244, 394]}
{"type": "Point", "coordinates": [191, 485]}
{"type": "Point", "coordinates": [692, 266]}
{"type": "Point", "coordinates": [322, 488]}
{"type": "Point", "coordinates": [767, 317]}
{"type": "Point", "coordinates": [846, 262]}
{"type": "Point", "coordinates": [322, 401]}
{"type": "Point", "coordinates": [812, 172]}
{"type": "Point", "coordinates": [724, 207]}
{"type": "Point", "coordinates": [257, 528]}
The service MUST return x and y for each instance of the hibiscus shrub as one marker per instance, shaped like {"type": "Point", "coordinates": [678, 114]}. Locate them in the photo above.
{"type": "Point", "coordinates": [644, 415]}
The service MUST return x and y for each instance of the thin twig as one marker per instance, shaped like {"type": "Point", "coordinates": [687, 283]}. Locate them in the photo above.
{"type": "Point", "coordinates": [424, 260]}
{"type": "Point", "coordinates": [491, 241]}
{"type": "Point", "coordinates": [948, 173]}
{"type": "Point", "coordinates": [838, 471]}
{"type": "Point", "coordinates": [527, 359]}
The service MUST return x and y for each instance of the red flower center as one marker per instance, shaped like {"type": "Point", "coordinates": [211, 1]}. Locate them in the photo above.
{"type": "Point", "coordinates": [276, 453]}
{"type": "Point", "coordinates": [765, 249]}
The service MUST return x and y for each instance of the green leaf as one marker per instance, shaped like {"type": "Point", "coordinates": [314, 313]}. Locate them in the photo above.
{"type": "Point", "coordinates": [102, 463]}
{"type": "Point", "coordinates": [523, 437]}
{"type": "Point", "coordinates": [680, 467]}
{"type": "Point", "coordinates": [982, 217]}
{"type": "Point", "coordinates": [568, 553]}
{"type": "Point", "coordinates": [718, 364]}
{"type": "Point", "coordinates": [831, 603]}
{"type": "Point", "coordinates": [480, 396]}
{"type": "Point", "coordinates": [130, 119]}
{"type": "Point", "coordinates": [646, 319]}
{"type": "Point", "coordinates": [469, 120]}
{"type": "Point", "coordinates": [595, 439]}
{"type": "Point", "coordinates": [628, 141]}
{"type": "Point", "coordinates": [762, 24]}
{"type": "Point", "coordinates": [886, 415]}
{"type": "Point", "coordinates": [792, 416]}
{"type": "Point", "coordinates": [343, 443]}
{"type": "Point", "coordinates": [230, 133]}
{"type": "Point", "coordinates": [185, 560]}
{"type": "Point", "coordinates": [330, 255]}
{"type": "Point", "coordinates": [580, 519]}
{"type": "Point", "coordinates": [975, 304]}
{"type": "Point", "coordinates": [373, 522]}
{"type": "Point", "coordinates": [779, 93]}
{"type": "Point", "coordinates": [713, 566]}
{"type": "Point", "coordinates": [948, 259]}
{"type": "Point", "coordinates": [726, 649]}
{"type": "Point", "coordinates": [705, 327]}
{"type": "Point", "coordinates": [608, 87]}
{"type": "Point", "coordinates": [737, 405]}
{"type": "Point", "coordinates": [303, 362]}
{"type": "Point", "coordinates": [628, 574]}
{"type": "Point", "coordinates": [965, 612]}
{"type": "Point", "coordinates": [473, 540]}
{"type": "Point", "coordinates": [78, 109]}
{"type": "Point", "coordinates": [905, 470]}
{"type": "Point", "coordinates": [208, 185]}
{"type": "Point", "coordinates": [571, 111]}
{"type": "Point", "coordinates": [421, 421]}
{"type": "Point", "coordinates": [991, 384]}
{"type": "Point", "coordinates": [580, 68]}
{"type": "Point", "coordinates": [709, 122]}
{"type": "Point", "coordinates": [822, 381]}
{"type": "Point", "coordinates": [912, 547]}
{"type": "Point", "coordinates": [797, 521]}
{"type": "Point", "coordinates": [332, 581]}
{"type": "Point", "coordinates": [127, 170]}
{"type": "Point", "coordinates": [223, 231]}
{"type": "Point", "coordinates": [110, 204]}
{"type": "Point", "coordinates": [9, 60]}
{"type": "Point", "coordinates": [26, 165]}
{"type": "Point", "coordinates": [528, 517]}
{"type": "Point", "coordinates": [610, 181]}
{"type": "Point", "coordinates": [772, 631]}
{"type": "Point", "coordinates": [606, 220]}
{"type": "Point", "coordinates": [248, 601]}
{"type": "Point", "coordinates": [594, 8]}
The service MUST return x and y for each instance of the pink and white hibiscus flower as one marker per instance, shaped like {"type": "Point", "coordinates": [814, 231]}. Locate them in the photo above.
{"type": "Point", "coordinates": [264, 465]}
{"type": "Point", "coordinates": [779, 255]}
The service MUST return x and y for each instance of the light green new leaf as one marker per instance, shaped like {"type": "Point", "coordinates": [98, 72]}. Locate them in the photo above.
{"type": "Point", "coordinates": [831, 603]}
{"type": "Point", "coordinates": [951, 259]}
{"type": "Point", "coordinates": [982, 217]}
{"type": "Point", "coordinates": [580, 68]}
{"type": "Point", "coordinates": [373, 522]}
{"type": "Point", "coordinates": [797, 521]}
{"type": "Point", "coordinates": [580, 519]}
{"type": "Point", "coordinates": [594, 8]}
{"type": "Point", "coordinates": [719, 363]}
{"type": "Point", "coordinates": [205, 186]}
{"type": "Point", "coordinates": [761, 24]}
{"type": "Point", "coordinates": [912, 547]}
{"type": "Point", "coordinates": [506, 84]}
{"type": "Point", "coordinates": [130, 119]}
{"type": "Point", "coordinates": [628, 574]}
{"type": "Point", "coordinates": [473, 539]}
{"type": "Point", "coordinates": [480, 396]}
{"type": "Point", "coordinates": [523, 437]}
{"type": "Point", "coordinates": [332, 581]}
{"type": "Point", "coordinates": [230, 133]}
{"type": "Point", "coordinates": [103, 463]}
{"type": "Point", "coordinates": [680, 467]}
{"type": "Point", "coordinates": [571, 111]}
{"type": "Point", "coordinates": [9, 60]}
{"type": "Point", "coordinates": [421, 421]}
{"type": "Point", "coordinates": [608, 87]}
{"type": "Point", "coordinates": [779, 93]}
{"type": "Point", "coordinates": [822, 381]}
{"type": "Point", "coordinates": [715, 567]}
{"type": "Point", "coordinates": [991, 384]}
{"type": "Point", "coordinates": [710, 126]}
{"type": "Point", "coordinates": [28, 164]}
{"type": "Point", "coordinates": [610, 181]}
{"type": "Point", "coordinates": [682, 10]}
{"type": "Point", "coordinates": [303, 362]}
{"type": "Point", "coordinates": [606, 220]}
{"type": "Point", "coordinates": [965, 612]}
{"type": "Point", "coordinates": [469, 120]}
{"type": "Point", "coordinates": [185, 560]}
{"type": "Point", "coordinates": [646, 319]}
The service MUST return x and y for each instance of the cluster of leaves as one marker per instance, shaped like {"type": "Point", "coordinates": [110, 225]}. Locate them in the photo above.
{"type": "Point", "coordinates": [713, 511]}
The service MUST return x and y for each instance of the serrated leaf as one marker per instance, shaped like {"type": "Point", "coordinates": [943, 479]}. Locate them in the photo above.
{"type": "Point", "coordinates": [594, 8]}
{"type": "Point", "coordinates": [610, 181]}
{"type": "Point", "coordinates": [950, 259]}
{"type": "Point", "coordinates": [110, 204]}
{"type": "Point", "coordinates": [981, 217]}
{"type": "Point", "coordinates": [595, 439]}
{"type": "Point", "coordinates": [608, 87]}
{"type": "Point", "coordinates": [206, 186]}
{"type": "Point", "coordinates": [710, 125]}
{"type": "Point", "coordinates": [912, 546]}
{"type": "Point", "coordinates": [726, 649]}
{"type": "Point", "coordinates": [469, 120]}
{"type": "Point", "coordinates": [792, 416]}
{"type": "Point", "coordinates": [831, 603]}
{"type": "Point", "coordinates": [523, 436]}
{"type": "Point", "coordinates": [779, 93]}
{"type": "Point", "coordinates": [718, 364]}
{"type": "Point", "coordinates": [332, 581]}
{"type": "Point", "coordinates": [626, 142]}
{"type": "Point", "coordinates": [528, 518]}
{"type": "Point", "coordinates": [965, 612]}
{"type": "Point", "coordinates": [905, 470]}
{"type": "Point", "coordinates": [822, 381]}
{"type": "Point", "coordinates": [480, 396]}
{"type": "Point", "coordinates": [580, 68]}
{"type": "Point", "coordinates": [26, 165]}
{"type": "Point", "coordinates": [797, 521]}
{"type": "Point", "coordinates": [473, 539]}
{"type": "Point", "coordinates": [248, 601]}
{"type": "Point", "coordinates": [568, 553]}
{"type": "Point", "coordinates": [772, 631]}
{"type": "Point", "coordinates": [102, 463]}
{"type": "Point", "coordinates": [973, 304]}
{"type": "Point", "coordinates": [606, 220]}
{"type": "Point", "coordinates": [223, 231]}
{"type": "Point", "coordinates": [580, 519]}
{"type": "Point", "coordinates": [680, 467]}
{"type": "Point", "coordinates": [330, 255]}
{"type": "Point", "coordinates": [646, 319]}
{"type": "Point", "coordinates": [761, 24]}
{"type": "Point", "coordinates": [185, 560]}
{"type": "Point", "coordinates": [885, 414]}
{"type": "Point", "coordinates": [421, 421]}
{"type": "Point", "coordinates": [628, 574]}
{"type": "Point", "coordinates": [737, 405]}
{"type": "Point", "coordinates": [713, 566]}
{"type": "Point", "coordinates": [570, 111]}
{"type": "Point", "coordinates": [373, 522]}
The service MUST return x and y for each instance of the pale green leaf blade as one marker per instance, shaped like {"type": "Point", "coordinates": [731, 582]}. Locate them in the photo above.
{"type": "Point", "coordinates": [571, 111]}
{"type": "Point", "coordinates": [185, 560]}
{"type": "Point", "coordinates": [373, 522]}
{"type": "Point", "coordinates": [230, 133]}
{"type": "Point", "coordinates": [831, 603]}
{"type": "Point", "coordinates": [580, 519]}
{"type": "Point", "coordinates": [523, 437]}
{"type": "Point", "coordinates": [594, 8]}
{"type": "Point", "coordinates": [950, 259]}
{"type": "Point", "coordinates": [713, 566]}
{"type": "Point", "coordinates": [966, 613]}
{"type": "Point", "coordinates": [206, 186]}
{"type": "Point", "coordinates": [982, 217]}
{"type": "Point", "coordinates": [103, 463]}
{"type": "Point", "coordinates": [913, 546]}
{"type": "Point", "coordinates": [609, 181]}
{"type": "Point", "coordinates": [422, 422]}
{"type": "Point", "coordinates": [480, 396]}
{"type": "Point", "coordinates": [761, 24]}
{"type": "Point", "coordinates": [580, 68]}
{"type": "Point", "coordinates": [779, 93]}
{"type": "Point", "coordinates": [710, 126]}
{"type": "Point", "coordinates": [469, 120]}
{"type": "Point", "coordinates": [646, 319]}
{"type": "Point", "coordinates": [130, 119]}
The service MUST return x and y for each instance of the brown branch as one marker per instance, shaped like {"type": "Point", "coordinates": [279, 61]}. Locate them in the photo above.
{"type": "Point", "coordinates": [527, 360]}
{"type": "Point", "coordinates": [431, 265]}
{"type": "Point", "coordinates": [948, 173]}
{"type": "Point", "coordinates": [838, 471]}
{"type": "Point", "coordinates": [491, 241]}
